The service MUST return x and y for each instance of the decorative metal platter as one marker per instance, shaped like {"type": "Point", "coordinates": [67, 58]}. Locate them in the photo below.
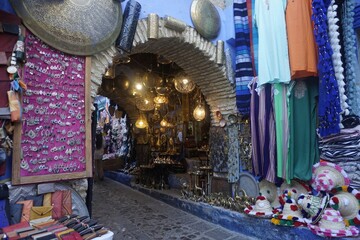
{"type": "Point", "coordinates": [78, 27]}
{"type": "Point", "coordinates": [248, 183]}
{"type": "Point", "coordinates": [205, 18]}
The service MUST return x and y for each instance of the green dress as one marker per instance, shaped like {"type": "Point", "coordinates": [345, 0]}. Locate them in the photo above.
{"type": "Point", "coordinates": [303, 143]}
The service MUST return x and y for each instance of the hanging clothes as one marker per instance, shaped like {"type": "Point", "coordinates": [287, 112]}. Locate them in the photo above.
{"type": "Point", "coordinates": [329, 102]}
{"type": "Point", "coordinates": [303, 144]}
{"type": "Point", "coordinates": [282, 130]}
{"type": "Point", "coordinates": [351, 63]}
{"type": "Point", "coordinates": [302, 46]}
{"type": "Point", "coordinates": [273, 48]}
{"type": "Point", "coordinates": [250, 4]}
{"type": "Point", "coordinates": [244, 68]}
{"type": "Point", "coordinates": [336, 56]}
{"type": "Point", "coordinates": [263, 132]}
{"type": "Point", "coordinates": [233, 154]}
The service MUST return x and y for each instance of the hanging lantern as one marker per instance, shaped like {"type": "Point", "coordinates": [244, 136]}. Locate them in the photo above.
{"type": "Point", "coordinates": [145, 103]}
{"type": "Point", "coordinates": [199, 112]}
{"type": "Point", "coordinates": [141, 122]}
{"type": "Point", "coordinates": [160, 99]}
{"type": "Point", "coordinates": [183, 84]}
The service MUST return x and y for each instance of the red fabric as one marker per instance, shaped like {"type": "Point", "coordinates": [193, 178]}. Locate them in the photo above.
{"type": "Point", "coordinates": [72, 236]}
{"type": "Point", "coordinates": [7, 42]}
{"type": "Point", "coordinates": [56, 202]}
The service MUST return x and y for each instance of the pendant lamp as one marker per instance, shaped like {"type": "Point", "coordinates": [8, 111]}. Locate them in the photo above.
{"type": "Point", "coordinates": [199, 111]}
{"type": "Point", "coordinates": [183, 84]}
{"type": "Point", "coordinates": [141, 122]}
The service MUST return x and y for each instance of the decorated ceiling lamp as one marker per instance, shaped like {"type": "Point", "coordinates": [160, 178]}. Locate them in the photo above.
{"type": "Point", "coordinates": [141, 122]}
{"type": "Point", "coordinates": [110, 72]}
{"type": "Point", "coordinates": [137, 87]}
{"type": "Point", "coordinates": [145, 103]}
{"type": "Point", "coordinates": [183, 84]}
{"type": "Point", "coordinates": [161, 99]}
{"type": "Point", "coordinates": [199, 111]}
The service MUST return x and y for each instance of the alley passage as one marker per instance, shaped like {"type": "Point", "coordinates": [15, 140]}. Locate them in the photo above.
{"type": "Point", "coordinates": [133, 215]}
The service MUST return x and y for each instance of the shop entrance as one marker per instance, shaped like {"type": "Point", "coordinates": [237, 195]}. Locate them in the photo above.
{"type": "Point", "coordinates": [165, 127]}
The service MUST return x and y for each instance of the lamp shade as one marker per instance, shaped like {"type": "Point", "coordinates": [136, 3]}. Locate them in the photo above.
{"type": "Point", "coordinates": [141, 122]}
{"type": "Point", "coordinates": [184, 85]}
{"type": "Point", "coordinates": [199, 112]}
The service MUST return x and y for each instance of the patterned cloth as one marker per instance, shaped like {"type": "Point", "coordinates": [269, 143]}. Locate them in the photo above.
{"type": "Point", "coordinates": [329, 102]}
{"type": "Point", "coordinates": [351, 63]}
{"type": "Point", "coordinates": [218, 145]}
{"type": "Point", "coordinates": [357, 16]}
{"type": "Point", "coordinates": [336, 57]}
{"type": "Point", "coordinates": [244, 68]}
{"type": "Point", "coordinates": [263, 132]}
{"type": "Point", "coordinates": [233, 154]}
{"type": "Point", "coordinates": [343, 150]}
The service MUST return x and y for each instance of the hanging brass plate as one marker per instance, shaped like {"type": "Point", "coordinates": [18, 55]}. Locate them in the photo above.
{"type": "Point", "coordinates": [79, 27]}
{"type": "Point", "coordinates": [205, 18]}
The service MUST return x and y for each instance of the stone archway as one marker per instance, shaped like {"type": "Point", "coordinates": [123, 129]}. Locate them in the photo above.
{"type": "Point", "coordinates": [196, 55]}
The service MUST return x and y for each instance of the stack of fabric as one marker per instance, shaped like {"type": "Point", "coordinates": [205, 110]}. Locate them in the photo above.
{"type": "Point", "coordinates": [343, 149]}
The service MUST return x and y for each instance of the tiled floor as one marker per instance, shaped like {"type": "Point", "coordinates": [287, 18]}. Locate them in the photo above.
{"type": "Point", "coordinates": [133, 215]}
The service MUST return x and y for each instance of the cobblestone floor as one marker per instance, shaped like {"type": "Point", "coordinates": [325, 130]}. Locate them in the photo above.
{"type": "Point", "coordinates": [133, 215]}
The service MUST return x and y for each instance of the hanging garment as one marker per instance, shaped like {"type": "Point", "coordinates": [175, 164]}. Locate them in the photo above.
{"type": "Point", "coordinates": [273, 48]}
{"type": "Point", "coordinates": [351, 63]}
{"type": "Point", "coordinates": [233, 154]}
{"type": "Point", "coordinates": [302, 46]}
{"type": "Point", "coordinates": [336, 56]}
{"type": "Point", "coordinates": [303, 144]}
{"type": "Point", "coordinates": [244, 68]}
{"type": "Point", "coordinates": [250, 4]}
{"type": "Point", "coordinates": [282, 130]}
{"type": "Point", "coordinates": [263, 132]}
{"type": "Point", "coordinates": [329, 102]}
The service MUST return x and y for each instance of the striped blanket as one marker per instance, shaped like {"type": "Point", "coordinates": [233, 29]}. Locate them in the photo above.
{"type": "Point", "coordinates": [244, 66]}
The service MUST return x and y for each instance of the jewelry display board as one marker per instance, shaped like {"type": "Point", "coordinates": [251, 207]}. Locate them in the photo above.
{"type": "Point", "coordinates": [53, 140]}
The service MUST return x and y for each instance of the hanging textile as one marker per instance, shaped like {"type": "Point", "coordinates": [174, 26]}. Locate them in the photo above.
{"type": "Point", "coordinates": [302, 46]}
{"type": "Point", "coordinates": [357, 16]}
{"type": "Point", "coordinates": [336, 56]}
{"type": "Point", "coordinates": [263, 132]}
{"type": "Point", "coordinates": [233, 154]}
{"type": "Point", "coordinates": [303, 144]}
{"type": "Point", "coordinates": [329, 102]}
{"type": "Point", "coordinates": [244, 68]}
{"type": "Point", "coordinates": [351, 63]}
{"type": "Point", "coordinates": [273, 48]}
{"type": "Point", "coordinates": [282, 130]}
{"type": "Point", "coordinates": [250, 4]}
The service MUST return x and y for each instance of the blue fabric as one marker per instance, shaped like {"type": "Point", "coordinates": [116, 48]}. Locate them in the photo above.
{"type": "Point", "coordinates": [4, 221]}
{"type": "Point", "coordinates": [244, 68]}
{"type": "Point", "coordinates": [357, 17]}
{"type": "Point", "coordinates": [6, 6]}
{"type": "Point", "coordinates": [351, 64]}
{"type": "Point", "coordinates": [329, 101]}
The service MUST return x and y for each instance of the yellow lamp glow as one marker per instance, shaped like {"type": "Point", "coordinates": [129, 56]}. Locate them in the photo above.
{"type": "Point", "coordinates": [199, 112]}
{"type": "Point", "coordinates": [141, 122]}
{"type": "Point", "coordinates": [160, 99]}
{"type": "Point", "coordinates": [163, 123]}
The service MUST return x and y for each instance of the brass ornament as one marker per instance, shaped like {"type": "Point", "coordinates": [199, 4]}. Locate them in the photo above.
{"type": "Point", "coordinates": [205, 18]}
{"type": "Point", "coordinates": [78, 27]}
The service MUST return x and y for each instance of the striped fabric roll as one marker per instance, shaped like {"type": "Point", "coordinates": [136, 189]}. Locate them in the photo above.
{"type": "Point", "coordinates": [244, 67]}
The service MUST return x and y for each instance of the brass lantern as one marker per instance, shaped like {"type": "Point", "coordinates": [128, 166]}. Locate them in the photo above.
{"type": "Point", "coordinates": [141, 122]}
{"type": "Point", "coordinates": [183, 84]}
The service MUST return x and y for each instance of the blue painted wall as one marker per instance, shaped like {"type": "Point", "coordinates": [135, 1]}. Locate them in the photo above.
{"type": "Point", "coordinates": [180, 9]}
